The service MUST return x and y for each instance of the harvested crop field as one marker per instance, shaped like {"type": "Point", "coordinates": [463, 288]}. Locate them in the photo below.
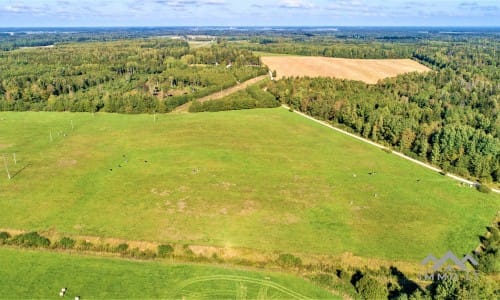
{"type": "Point", "coordinates": [367, 70]}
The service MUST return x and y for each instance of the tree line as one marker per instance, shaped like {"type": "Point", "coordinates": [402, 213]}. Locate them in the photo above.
{"type": "Point", "coordinates": [448, 117]}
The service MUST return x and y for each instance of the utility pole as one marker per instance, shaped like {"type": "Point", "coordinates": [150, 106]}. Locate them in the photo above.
{"type": "Point", "coordinates": [6, 167]}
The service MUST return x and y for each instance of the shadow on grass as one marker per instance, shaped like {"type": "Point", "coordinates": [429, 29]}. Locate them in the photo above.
{"type": "Point", "coordinates": [408, 286]}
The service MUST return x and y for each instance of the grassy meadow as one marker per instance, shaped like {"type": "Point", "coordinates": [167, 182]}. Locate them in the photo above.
{"type": "Point", "coordinates": [41, 275]}
{"type": "Point", "coordinates": [265, 179]}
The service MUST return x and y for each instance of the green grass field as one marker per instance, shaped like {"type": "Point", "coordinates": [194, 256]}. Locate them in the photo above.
{"type": "Point", "coordinates": [41, 275]}
{"type": "Point", "coordinates": [261, 179]}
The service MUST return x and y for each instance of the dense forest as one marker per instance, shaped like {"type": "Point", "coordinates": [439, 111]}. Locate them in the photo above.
{"type": "Point", "coordinates": [448, 117]}
{"type": "Point", "coordinates": [129, 76]}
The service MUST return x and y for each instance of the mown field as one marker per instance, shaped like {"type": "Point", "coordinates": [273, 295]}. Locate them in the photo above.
{"type": "Point", "coordinates": [366, 70]}
{"type": "Point", "coordinates": [41, 275]}
{"type": "Point", "coordinates": [261, 179]}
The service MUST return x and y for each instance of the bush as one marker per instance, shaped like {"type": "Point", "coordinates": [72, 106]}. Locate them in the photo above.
{"type": "Point", "coordinates": [343, 275]}
{"type": "Point", "coordinates": [31, 239]}
{"type": "Point", "coordinates": [489, 262]}
{"type": "Point", "coordinates": [121, 248]}
{"type": "Point", "coordinates": [84, 245]}
{"type": "Point", "coordinates": [66, 243]}
{"type": "Point", "coordinates": [288, 260]}
{"type": "Point", "coordinates": [323, 279]}
{"type": "Point", "coordinates": [165, 250]}
{"type": "Point", "coordinates": [370, 288]}
{"type": "Point", "coordinates": [187, 250]}
{"type": "Point", "coordinates": [484, 189]}
{"type": "Point", "coordinates": [137, 253]}
{"type": "Point", "coordinates": [419, 295]}
{"type": "Point", "coordinates": [4, 235]}
{"type": "Point", "coordinates": [387, 150]}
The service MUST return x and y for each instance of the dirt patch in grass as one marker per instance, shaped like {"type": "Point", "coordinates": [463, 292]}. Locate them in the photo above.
{"type": "Point", "coordinates": [160, 192]}
{"type": "Point", "coordinates": [67, 162]}
{"type": "Point", "coordinates": [249, 207]}
{"type": "Point", "coordinates": [181, 204]}
{"type": "Point", "coordinates": [366, 70]}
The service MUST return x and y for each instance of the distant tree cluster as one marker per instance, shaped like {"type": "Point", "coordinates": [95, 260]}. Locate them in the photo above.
{"type": "Point", "coordinates": [124, 76]}
{"type": "Point", "coordinates": [350, 49]}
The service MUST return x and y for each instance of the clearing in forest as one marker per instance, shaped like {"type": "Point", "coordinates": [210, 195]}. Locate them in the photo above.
{"type": "Point", "coordinates": [366, 70]}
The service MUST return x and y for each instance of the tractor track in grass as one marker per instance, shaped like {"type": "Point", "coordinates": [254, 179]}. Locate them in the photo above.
{"type": "Point", "coordinates": [260, 282]}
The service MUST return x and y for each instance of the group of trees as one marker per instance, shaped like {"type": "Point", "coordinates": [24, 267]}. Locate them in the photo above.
{"type": "Point", "coordinates": [489, 255]}
{"type": "Point", "coordinates": [336, 48]}
{"type": "Point", "coordinates": [251, 97]}
{"type": "Point", "coordinates": [448, 116]}
{"type": "Point", "coordinates": [123, 76]}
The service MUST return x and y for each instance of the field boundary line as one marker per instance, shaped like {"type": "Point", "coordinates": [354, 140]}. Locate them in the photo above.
{"type": "Point", "coordinates": [425, 165]}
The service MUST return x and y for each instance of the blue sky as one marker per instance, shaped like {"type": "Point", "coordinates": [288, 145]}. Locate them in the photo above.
{"type": "Point", "coordinates": [45, 13]}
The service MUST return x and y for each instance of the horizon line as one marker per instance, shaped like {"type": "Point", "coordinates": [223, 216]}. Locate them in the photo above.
{"type": "Point", "coordinates": [258, 26]}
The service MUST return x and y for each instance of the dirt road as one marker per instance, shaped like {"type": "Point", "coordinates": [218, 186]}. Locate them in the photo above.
{"type": "Point", "coordinates": [223, 93]}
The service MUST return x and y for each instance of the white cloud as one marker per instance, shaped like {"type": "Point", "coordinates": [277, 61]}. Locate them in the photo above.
{"type": "Point", "coordinates": [297, 4]}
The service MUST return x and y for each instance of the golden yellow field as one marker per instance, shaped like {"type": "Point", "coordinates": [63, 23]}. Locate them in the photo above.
{"type": "Point", "coordinates": [367, 70]}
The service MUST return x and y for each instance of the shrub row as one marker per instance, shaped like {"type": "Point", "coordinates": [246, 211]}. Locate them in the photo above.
{"type": "Point", "coordinates": [35, 240]}
{"type": "Point", "coordinates": [382, 283]}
